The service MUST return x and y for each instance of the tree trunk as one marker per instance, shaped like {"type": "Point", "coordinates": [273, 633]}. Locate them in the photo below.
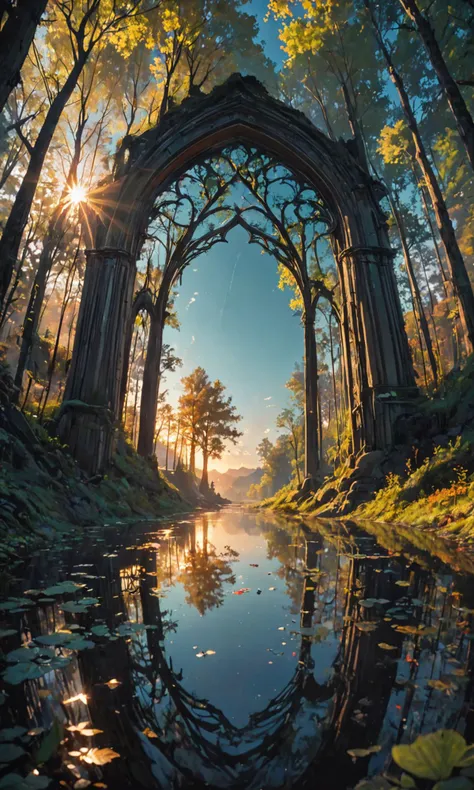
{"type": "Point", "coordinates": [204, 485]}
{"type": "Point", "coordinates": [455, 99]}
{"type": "Point", "coordinates": [311, 395]}
{"type": "Point", "coordinates": [175, 449]}
{"type": "Point", "coordinates": [192, 455]}
{"type": "Point", "coordinates": [54, 236]}
{"type": "Point", "coordinates": [151, 382]}
{"type": "Point", "coordinates": [355, 127]}
{"type": "Point", "coordinates": [168, 444]}
{"type": "Point", "coordinates": [18, 217]}
{"type": "Point", "coordinates": [66, 298]}
{"type": "Point", "coordinates": [457, 268]}
{"type": "Point", "coordinates": [415, 291]}
{"type": "Point", "coordinates": [16, 36]}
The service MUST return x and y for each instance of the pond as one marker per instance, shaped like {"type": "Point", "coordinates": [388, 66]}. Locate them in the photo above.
{"type": "Point", "coordinates": [231, 649]}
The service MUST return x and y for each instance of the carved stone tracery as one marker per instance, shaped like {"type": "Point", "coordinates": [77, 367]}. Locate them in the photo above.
{"type": "Point", "coordinates": [376, 354]}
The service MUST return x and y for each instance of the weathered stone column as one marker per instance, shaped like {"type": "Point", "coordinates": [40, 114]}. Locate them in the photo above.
{"type": "Point", "coordinates": [91, 407]}
{"type": "Point", "coordinates": [311, 432]}
{"type": "Point", "coordinates": [384, 379]}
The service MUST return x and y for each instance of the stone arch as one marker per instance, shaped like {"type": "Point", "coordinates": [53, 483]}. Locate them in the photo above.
{"type": "Point", "coordinates": [379, 371]}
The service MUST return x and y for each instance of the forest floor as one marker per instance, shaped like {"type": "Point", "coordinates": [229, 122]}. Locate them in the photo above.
{"type": "Point", "coordinates": [44, 495]}
{"type": "Point", "coordinates": [426, 482]}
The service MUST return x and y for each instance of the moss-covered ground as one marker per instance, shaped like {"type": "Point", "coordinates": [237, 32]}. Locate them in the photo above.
{"type": "Point", "coordinates": [433, 487]}
{"type": "Point", "coordinates": [44, 494]}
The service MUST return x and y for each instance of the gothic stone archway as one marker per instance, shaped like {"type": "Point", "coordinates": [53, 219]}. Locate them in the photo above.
{"type": "Point", "coordinates": [379, 372]}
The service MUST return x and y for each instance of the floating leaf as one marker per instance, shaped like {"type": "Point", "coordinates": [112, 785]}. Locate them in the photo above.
{"type": "Point", "coordinates": [367, 627]}
{"type": "Point", "coordinates": [149, 733]}
{"type": "Point", "coordinates": [402, 583]}
{"type": "Point", "coordinates": [78, 698]}
{"type": "Point", "coordinates": [439, 685]}
{"type": "Point", "coordinates": [355, 753]}
{"type": "Point", "coordinates": [431, 756]}
{"type": "Point", "coordinates": [83, 728]}
{"type": "Point", "coordinates": [113, 683]}
{"type": "Point", "coordinates": [386, 646]}
{"type": "Point", "coordinates": [99, 756]}
{"type": "Point", "coordinates": [210, 652]}
{"type": "Point", "coordinates": [81, 784]}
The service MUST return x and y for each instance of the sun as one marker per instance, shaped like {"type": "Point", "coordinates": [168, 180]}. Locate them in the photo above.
{"type": "Point", "coordinates": [77, 194]}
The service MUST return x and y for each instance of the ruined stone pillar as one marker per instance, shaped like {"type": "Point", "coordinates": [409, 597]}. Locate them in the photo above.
{"type": "Point", "coordinates": [91, 408]}
{"type": "Point", "coordinates": [384, 379]}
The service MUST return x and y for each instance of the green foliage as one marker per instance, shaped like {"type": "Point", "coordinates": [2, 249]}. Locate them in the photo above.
{"type": "Point", "coordinates": [441, 760]}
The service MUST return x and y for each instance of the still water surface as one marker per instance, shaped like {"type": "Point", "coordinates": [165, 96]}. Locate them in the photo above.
{"type": "Point", "coordinates": [233, 650]}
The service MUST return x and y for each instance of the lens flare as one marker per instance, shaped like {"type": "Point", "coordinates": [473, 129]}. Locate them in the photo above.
{"type": "Point", "coordinates": [77, 194]}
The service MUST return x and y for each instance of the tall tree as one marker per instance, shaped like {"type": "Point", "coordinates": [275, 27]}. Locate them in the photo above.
{"type": "Point", "coordinates": [214, 419]}
{"type": "Point", "coordinates": [289, 421]}
{"type": "Point", "coordinates": [452, 91]}
{"type": "Point", "coordinates": [457, 268]}
{"type": "Point", "coordinates": [190, 407]}
{"type": "Point", "coordinates": [85, 28]}
{"type": "Point", "coordinates": [18, 24]}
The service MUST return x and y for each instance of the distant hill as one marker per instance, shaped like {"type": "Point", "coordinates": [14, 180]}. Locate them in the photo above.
{"type": "Point", "coordinates": [234, 483]}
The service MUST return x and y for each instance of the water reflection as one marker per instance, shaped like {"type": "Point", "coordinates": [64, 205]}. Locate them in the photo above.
{"type": "Point", "coordinates": [234, 650]}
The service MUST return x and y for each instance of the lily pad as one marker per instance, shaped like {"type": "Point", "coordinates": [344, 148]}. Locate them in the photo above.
{"type": "Point", "coordinates": [79, 607]}
{"type": "Point", "coordinates": [10, 752]}
{"type": "Point", "coordinates": [17, 782]}
{"type": "Point", "coordinates": [11, 733]}
{"type": "Point", "coordinates": [100, 630]}
{"type": "Point", "coordinates": [27, 670]}
{"type": "Point", "coordinates": [432, 756]}
{"type": "Point", "coordinates": [62, 588]}
{"type": "Point", "coordinates": [57, 638]}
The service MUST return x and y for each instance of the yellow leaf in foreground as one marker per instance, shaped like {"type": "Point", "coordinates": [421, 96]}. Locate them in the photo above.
{"type": "Point", "coordinates": [113, 683]}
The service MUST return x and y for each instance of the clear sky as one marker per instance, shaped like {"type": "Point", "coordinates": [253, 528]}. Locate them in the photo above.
{"type": "Point", "coordinates": [237, 325]}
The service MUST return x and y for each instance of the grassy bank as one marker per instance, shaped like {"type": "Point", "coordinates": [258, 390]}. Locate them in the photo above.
{"type": "Point", "coordinates": [44, 495]}
{"type": "Point", "coordinates": [426, 482]}
{"type": "Point", "coordinates": [439, 494]}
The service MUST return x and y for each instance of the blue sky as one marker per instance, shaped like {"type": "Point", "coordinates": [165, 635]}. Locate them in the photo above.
{"type": "Point", "coordinates": [237, 325]}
